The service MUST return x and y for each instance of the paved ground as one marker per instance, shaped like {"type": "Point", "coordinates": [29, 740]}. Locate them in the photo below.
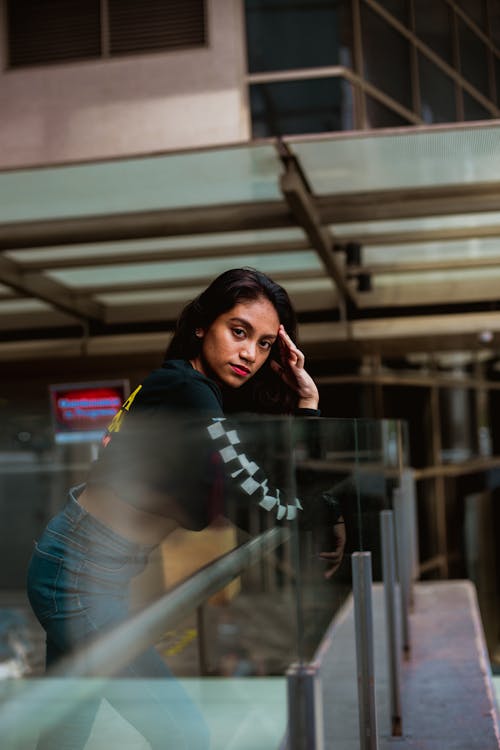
{"type": "Point", "coordinates": [448, 694]}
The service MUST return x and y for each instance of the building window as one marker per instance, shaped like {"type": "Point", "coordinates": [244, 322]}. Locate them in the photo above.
{"type": "Point", "coordinates": [56, 31]}
{"type": "Point", "coordinates": [285, 35]}
{"type": "Point", "coordinates": [294, 107]}
{"type": "Point", "coordinates": [437, 93]}
{"type": "Point", "coordinates": [475, 10]}
{"type": "Point", "coordinates": [473, 59]}
{"type": "Point", "coordinates": [386, 55]}
{"type": "Point", "coordinates": [496, 61]}
{"type": "Point", "coordinates": [473, 110]}
{"type": "Point", "coordinates": [397, 8]}
{"type": "Point", "coordinates": [433, 25]}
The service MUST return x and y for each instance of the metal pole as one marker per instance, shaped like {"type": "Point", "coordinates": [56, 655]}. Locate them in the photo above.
{"type": "Point", "coordinates": [201, 626]}
{"type": "Point", "coordinates": [363, 617]}
{"type": "Point", "coordinates": [389, 578]}
{"type": "Point", "coordinates": [411, 525]}
{"type": "Point", "coordinates": [305, 707]}
{"type": "Point", "coordinates": [404, 565]}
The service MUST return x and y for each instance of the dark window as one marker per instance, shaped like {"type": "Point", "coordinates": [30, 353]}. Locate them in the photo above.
{"type": "Point", "coordinates": [294, 107]}
{"type": "Point", "coordinates": [155, 25]}
{"type": "Point", "coordinates": [497, 77]}
{"type": "Point", "coordinates": [386, 56]}
{"type": "Point", "coordinates": [473, 110]}
{"type": "Point", "coordinates": [475, 10]}
{"type": "Point", "coordinates": [433, 27]}
{"type": "Point", "coordinates": [437, 93]}
{"type": "Point", "coordinates": [283, 35]}
{"type": "Point", "coordinates": [380, 116]}
{"type": "Point", "coordinates": [397, 8]}
{"type": "Point", "coordinates": [52, 31]}
{"type": "Point", "coordinates": [473, 59]}
{"type": "Point", "coordinates": [494, 18]}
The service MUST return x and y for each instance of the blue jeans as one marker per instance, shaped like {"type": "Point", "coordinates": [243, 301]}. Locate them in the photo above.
{"type": "Point", "coordinates": [78, 586]}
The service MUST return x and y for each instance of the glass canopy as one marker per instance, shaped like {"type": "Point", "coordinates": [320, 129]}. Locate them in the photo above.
{"type": "Point", "coordinates": [391, 222]}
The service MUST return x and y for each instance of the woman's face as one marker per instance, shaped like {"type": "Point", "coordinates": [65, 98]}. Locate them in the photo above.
{"type": "Point", "coordinates": [238, 342]}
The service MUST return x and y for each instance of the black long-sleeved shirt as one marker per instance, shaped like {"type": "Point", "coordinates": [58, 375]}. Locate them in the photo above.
{"type": "Point", "coordinates": [172, 436]}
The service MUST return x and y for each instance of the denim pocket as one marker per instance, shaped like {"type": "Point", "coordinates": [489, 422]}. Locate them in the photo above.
{"type": "Point", "coordinates": [43, 576]}
{"type": "Point", "coordinates": [112, 568]}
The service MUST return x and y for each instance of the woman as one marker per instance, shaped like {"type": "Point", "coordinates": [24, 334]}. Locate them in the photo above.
{"type": "Point", "coordinates": [234, 343]}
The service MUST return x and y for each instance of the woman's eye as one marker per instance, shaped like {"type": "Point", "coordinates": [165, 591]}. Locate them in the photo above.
{"type": "Point", "coordinates": [266, 344]}
{"type": "Point", "coordinates": [239, 332]}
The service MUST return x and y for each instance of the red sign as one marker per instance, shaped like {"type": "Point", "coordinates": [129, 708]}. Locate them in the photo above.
{"type": "Point", "coordinates": [82, 411]}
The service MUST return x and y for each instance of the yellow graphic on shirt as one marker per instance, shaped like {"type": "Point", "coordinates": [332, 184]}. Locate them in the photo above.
{"type": "Point", "coordinates": [116, 422]}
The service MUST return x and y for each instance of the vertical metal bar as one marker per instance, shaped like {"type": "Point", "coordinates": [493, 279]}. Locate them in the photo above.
{"type": "Point", "coordinates": [439, 486]}
{"type": "Point", "coordinates": [360, 108]}
{"type": "Point", "coordinates": [414, 66]}
{"type": "Point", "coordinates": [491, 56]}
{"type": "Point", "coordinates": [202, 640]}
{"type": "Point", "coordinates": [411, 526]}
{"type": "Point", "coordinates": [403, 564]}
{"type": "Point", "coordinates": [363, 618]}
{"type": "Point", "coordinates": [389, 578]}
{"type": "Point", "coordinates": [457, 65]}
{"type": "Point", "coordinates": [305, 707]}
{"type": "Point", "coordinates": [105, 32]}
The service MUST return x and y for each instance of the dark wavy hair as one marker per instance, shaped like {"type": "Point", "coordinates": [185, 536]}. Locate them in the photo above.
{"type": "Point", "coordinates": [264, 392]}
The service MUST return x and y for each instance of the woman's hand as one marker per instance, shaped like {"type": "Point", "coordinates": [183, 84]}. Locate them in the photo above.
{"type": "Point", "coordinates": [335, 557]}
{"type": "Point", "coordinates": [292, 372]}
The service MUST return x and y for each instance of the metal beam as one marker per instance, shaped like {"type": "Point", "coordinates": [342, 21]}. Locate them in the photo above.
{"type": "Point", "coordinates": [453, 264]}
{"type": "Point", "coordinates": [151, 256]}
{"type": "Point", "coordinates": [303, 209]}
{"type": "Point", "coordinates": [449, 291]}
{"type": "Point", "coordinates": [49, 291]}
{"type": "Point", "coordinates": [421, 236]}
{"type": "Point", "coordinates": [231, 217]}
{"type": "Point", "coordinates": [407, 203]}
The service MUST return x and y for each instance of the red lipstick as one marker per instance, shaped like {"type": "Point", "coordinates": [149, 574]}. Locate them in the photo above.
{"type": "Point", "coordinates": [243, 372]}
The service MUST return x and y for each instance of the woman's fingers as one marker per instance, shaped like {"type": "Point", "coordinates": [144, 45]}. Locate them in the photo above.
{"type": "Point", "coordinates": [293, 371]}
{"type": "Point", "coordinates": [293, 353]}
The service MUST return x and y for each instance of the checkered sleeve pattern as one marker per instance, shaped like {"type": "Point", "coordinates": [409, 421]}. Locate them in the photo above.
{"type": "Point", "coordinates": [246, 474]}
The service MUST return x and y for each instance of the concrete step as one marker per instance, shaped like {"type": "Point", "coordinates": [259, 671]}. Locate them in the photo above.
{"type": "Point", "coordinates": [448, 697]}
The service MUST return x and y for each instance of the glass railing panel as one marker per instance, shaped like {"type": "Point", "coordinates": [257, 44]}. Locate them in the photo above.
{"type": "Point", "coordinates": [225, 599]}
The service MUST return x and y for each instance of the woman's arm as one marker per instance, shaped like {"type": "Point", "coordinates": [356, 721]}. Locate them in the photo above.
{"type": "Point", "coordinates": [244, 475]}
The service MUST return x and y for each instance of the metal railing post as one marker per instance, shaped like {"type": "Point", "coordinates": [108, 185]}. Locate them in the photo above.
{"type": "Point", "coordinates": [404, 564]}
{"type": "Point", "coordinates": [393, 655]}
{"type": "Point", "coordinates": [305, 707]}
{"type": "Point", "coordinates": [411, 525]}
{"type": "Point", "coordinates": [363, 618]}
